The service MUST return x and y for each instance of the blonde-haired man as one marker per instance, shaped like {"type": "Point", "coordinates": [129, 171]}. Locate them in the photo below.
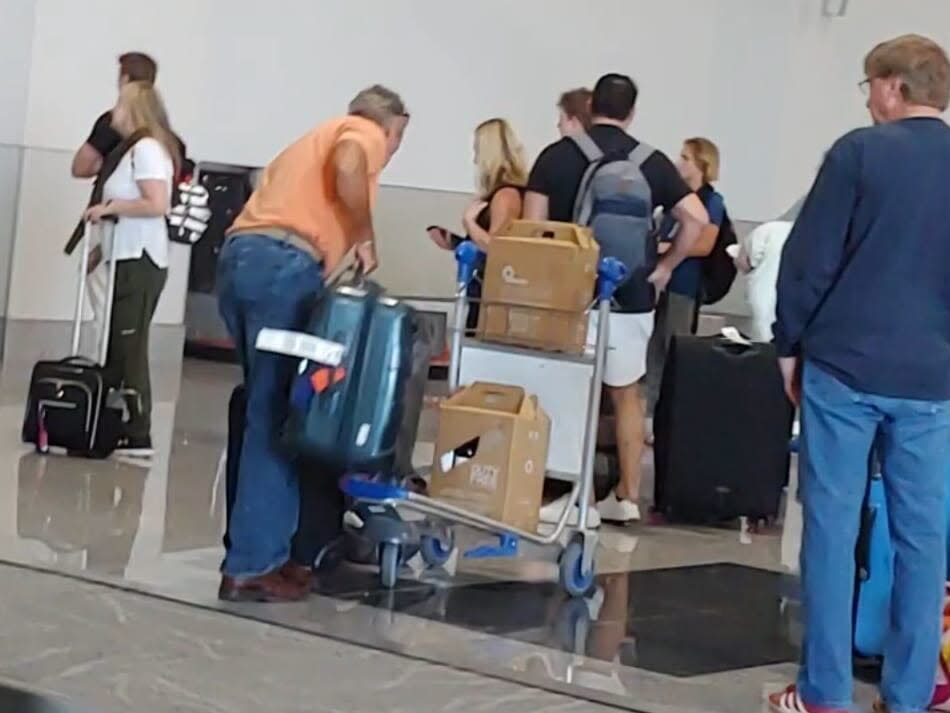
{"type": "Point", "coordinates": [863, 332]}
{"type": "Point", "coordinates": [312, 206]}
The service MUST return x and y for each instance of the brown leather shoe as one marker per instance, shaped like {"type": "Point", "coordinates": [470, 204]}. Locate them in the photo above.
{"type": "Point", "coordinates": [298, 574]}
{"type": "Point", "coordinates": [272, 587]}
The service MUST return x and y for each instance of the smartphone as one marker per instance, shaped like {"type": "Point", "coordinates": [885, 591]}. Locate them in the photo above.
{"type": "Point", "coordinates": [454, 240]}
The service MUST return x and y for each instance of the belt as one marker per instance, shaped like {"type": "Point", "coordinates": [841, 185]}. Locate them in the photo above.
{"type": "Point", "coordinates": [283, 236]}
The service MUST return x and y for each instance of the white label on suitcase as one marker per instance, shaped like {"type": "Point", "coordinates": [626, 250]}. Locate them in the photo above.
{"type": "Point", "coordinates": [298, 344]}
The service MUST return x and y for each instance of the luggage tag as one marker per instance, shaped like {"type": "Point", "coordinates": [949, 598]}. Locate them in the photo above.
{"type": "Point", "coordinates": [300, 345]}
{"type": "Point", "coordinates": [312, 379]}
{"type": "Point", "coordinates": [735, 336]}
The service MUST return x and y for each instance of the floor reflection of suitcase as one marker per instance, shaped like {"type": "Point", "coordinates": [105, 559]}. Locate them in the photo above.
{"type": "Point", "coordinates": [722, 429]}
{"type": "Point", "coordinates": [79, 506]}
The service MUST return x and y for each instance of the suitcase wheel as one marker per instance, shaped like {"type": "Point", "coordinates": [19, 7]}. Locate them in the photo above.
{"type": "Point", "coordinates": [436, 551]}
{"type": "Point", "coordinates": [575, 581]}
{"type": "Point", "coordinates": [389, 563]}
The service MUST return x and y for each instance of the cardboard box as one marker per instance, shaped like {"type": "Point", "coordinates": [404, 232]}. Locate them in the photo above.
{"type": "Point", "coordinates": [539, 280]}
{"type": "Point", "coordinates": [491, 453]}
{"type": "Point", "coordinates": [534, 328]}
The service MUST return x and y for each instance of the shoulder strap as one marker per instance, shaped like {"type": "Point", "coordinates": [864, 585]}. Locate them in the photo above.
{"type": "Point", "coordinates": [109, 164]}
{"type": "Point", "coordinates": [640, 154]}
{"type": "Point", "coordinates": [588, 146]}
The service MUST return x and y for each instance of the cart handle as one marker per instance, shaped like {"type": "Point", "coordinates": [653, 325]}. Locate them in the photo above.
{"type": "Point", "coordinates": [611, 273]}
{"type": "Point", "coordinates": [467, 255]}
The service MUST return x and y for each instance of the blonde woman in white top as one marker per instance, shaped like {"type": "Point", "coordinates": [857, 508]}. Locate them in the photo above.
{"type": "Point", "coordinates": [137, 196]}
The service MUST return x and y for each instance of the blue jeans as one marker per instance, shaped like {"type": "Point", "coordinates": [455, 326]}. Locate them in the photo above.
{"type": "Point", "coordinates": [264, 283]}
{"type": "Point", "coordinates": [839, 427]}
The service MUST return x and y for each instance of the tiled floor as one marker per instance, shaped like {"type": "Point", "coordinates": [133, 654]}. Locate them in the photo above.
{"type": "Point", "coordinates": [683, 619]}
{"type": "Point", "coordinates": [111, 651]}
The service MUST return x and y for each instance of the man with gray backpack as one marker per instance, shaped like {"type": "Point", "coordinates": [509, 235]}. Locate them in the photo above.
{"type": "Point", "coordinates": [612, 182]}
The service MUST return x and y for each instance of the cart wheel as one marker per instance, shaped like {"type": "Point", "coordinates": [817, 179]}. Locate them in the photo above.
{"type": "Point", "coordinates": [436, 551]}
{"type": "Point", "coordinates": [389, 556]}
{"type": "Point", "coordinates": [574, 580]}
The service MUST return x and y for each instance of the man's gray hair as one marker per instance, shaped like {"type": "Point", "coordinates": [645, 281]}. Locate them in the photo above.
{"type": "Point", "coordinates": [378, 104]}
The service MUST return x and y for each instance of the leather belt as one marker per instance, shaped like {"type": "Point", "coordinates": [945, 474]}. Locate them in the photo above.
{"type": "Point", "coordinates": [283, 236]}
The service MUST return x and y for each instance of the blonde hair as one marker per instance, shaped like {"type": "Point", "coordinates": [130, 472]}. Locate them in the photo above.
{"type": "Point", "coordinates": [146, 113]}
{"type": "Point", "coordinates": [706, 155]}
{"type": "Point", "coordinates": [499, 156]}
{"type": "Point", "coordinates": [378, 104]}
{"type": "Point", "coordinates": [920, 63]}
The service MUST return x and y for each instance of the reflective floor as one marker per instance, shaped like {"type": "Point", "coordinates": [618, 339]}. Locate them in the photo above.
{"type": "Point", "coordinates": [682, 619]}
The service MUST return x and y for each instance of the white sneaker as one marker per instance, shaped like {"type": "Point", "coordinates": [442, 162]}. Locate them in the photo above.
{"type": "Point", "coordinates": [613, 509]}
{"type": "Point", "coordinates": [551, 513]}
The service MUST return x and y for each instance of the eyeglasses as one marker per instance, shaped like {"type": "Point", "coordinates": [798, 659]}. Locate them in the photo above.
{"type": "Point", "coordinates": [865, 86]}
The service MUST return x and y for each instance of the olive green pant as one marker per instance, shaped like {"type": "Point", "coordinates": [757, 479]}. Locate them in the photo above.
{"type": "Point", "coordinates": [138, 285]}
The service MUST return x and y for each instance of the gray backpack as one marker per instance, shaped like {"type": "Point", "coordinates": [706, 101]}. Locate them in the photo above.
{"type": "Point", "coordinates": [616, 202]}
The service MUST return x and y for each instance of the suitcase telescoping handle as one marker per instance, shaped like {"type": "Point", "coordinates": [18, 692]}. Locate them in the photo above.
{"type": "Point", "coordinates": [105, 229]}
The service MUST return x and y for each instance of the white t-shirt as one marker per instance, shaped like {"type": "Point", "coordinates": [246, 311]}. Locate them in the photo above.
{"type": "Point", "coordinates": [147, 160]}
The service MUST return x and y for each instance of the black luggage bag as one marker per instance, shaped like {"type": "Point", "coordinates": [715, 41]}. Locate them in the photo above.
{"type": "Point", "coordinates": [722, 428]}
{"type": "Point", "coordinates": [70, 405]}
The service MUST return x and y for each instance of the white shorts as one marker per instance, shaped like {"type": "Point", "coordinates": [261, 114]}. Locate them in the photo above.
{"type": "Point", "coordinates": [628, 338]}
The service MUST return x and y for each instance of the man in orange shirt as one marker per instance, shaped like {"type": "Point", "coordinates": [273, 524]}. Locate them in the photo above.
{"type": "Point", "coordinates": [312, 206]}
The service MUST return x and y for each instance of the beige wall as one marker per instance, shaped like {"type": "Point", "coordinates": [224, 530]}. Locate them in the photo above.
{"type": "Point", "coordinates": [410, 265]}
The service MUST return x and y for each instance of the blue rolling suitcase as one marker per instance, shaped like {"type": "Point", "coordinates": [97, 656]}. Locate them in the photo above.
{"type": "Point", "coordinates": [875, 570]}
{"type": "Point", "coordinates": [349, 417]}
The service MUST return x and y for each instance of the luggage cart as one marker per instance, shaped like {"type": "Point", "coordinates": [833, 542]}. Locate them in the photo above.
{"type": "Point", "coordinates": [434, 535]}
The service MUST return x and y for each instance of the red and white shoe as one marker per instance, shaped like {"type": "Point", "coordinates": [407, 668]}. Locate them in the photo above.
{"type": "Point", "coordinates": [941, 699]}
{"type": "Point", "coordinates": [788, 701]}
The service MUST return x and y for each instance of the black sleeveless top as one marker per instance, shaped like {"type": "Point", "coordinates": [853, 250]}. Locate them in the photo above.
{"type": "Point", "coordinates": [484, 218]}
{"type": "Point", "coordinates": [475, 286]}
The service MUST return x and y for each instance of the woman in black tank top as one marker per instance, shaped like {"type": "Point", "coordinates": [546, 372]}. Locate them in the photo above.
{"type": "Point", "coordinates": [502, 174]}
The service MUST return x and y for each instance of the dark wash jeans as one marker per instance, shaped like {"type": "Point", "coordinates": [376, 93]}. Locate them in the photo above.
{"type": "Point", "coordinates": [263, 282]}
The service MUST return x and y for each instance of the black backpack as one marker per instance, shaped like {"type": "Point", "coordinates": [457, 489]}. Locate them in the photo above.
{"type": "Point", "coordinates": [719, 271]}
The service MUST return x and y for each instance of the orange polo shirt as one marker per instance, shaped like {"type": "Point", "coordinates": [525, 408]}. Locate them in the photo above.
{"type": "Point", "coordinates": [297, 191]}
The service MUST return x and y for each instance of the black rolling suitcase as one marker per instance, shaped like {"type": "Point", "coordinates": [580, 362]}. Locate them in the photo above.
{"type": "Point", "coordinates": [70, 406]}
{"type": "Point", "coordinates": [722, 428]}
{"type": "Point", "coordinates": [237, 410]}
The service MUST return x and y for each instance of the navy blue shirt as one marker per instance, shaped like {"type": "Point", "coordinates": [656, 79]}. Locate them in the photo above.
{"type": "Point", "coordinates": [864, 286]}
{"type": "Point", "coordinates": [687, 278]}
